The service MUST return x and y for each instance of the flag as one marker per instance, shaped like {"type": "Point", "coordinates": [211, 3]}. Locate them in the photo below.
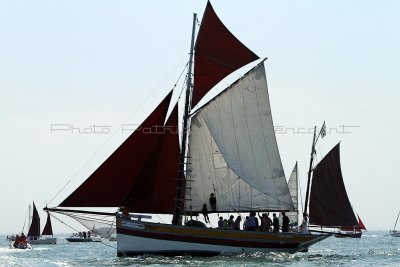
{"type": "Point", "coordinates": [323, 130]}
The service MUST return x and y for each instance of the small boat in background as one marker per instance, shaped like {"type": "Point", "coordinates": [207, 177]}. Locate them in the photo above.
{"type": "Point", "coordinates": [394, 232]}
{"type": "Point", "coordinates": [34, 236]}
{"type": "Point", "coordinates": [352, 232]}
{"type": "Point", "coordinates": [20, 242]}
{"type": "Point", "coordinates": [82, 237]}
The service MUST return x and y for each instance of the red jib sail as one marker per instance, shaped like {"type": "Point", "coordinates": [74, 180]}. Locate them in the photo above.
{"type": "Point", "coordinates": [217, 54]}
{"type": "Point", "coordinates": [329, 203]}
{"type": "Point", "coordinates": [34, 229]}
{"type": "Point", "coordinates": [361, 225]}
{"type": "Point", "coordinates": [48, 229]}
{"type": "Point", "coordinates": [144, 163]}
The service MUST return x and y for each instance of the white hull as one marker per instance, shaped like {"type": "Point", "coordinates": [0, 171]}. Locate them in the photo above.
{"type": "Point", "coordinates": [138, 238]}
{"type": "Point", "coordinates": [44, 241]}
{"type": "Point", "coordinates": [132, 245]}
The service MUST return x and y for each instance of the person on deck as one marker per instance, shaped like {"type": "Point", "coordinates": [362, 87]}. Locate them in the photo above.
{"type": "Point", "coordinates": [236, 224]}
{"type": "Point", "coordinates": [275, 223]}
{"type": "Point", "coordinates": [125, 213]}
{"type": "Point", "coordinates": [304, 224]}
{"type": "Point", "coordinates": [251, 222]}
{"type": "Point", "coordinates": [213, 202]}
{"type": "Point", "coordinates": [269, 223]}
{"type": "Point", "coordinates": [246, 223]}
{"type": "Point", "coordinates": [231, 222]}
{"type": "Point", "coordinates": [265, 222]}
{"type": "Point", "coordinates": [255, 219]}
{"type": "Point", "coordinates": [285, 222]}
{"type": "Point", "coordinates": [221, 223]}
{"type": "Point", "coordinates": [226, 226]}
{"type": "Point", "coordinates": [204, 211]}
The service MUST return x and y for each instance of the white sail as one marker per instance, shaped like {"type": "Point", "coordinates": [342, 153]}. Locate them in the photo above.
{"type": "Point", "coordinates": [294, 192]}
{"type": "Point", "coordinates": [233, 149]}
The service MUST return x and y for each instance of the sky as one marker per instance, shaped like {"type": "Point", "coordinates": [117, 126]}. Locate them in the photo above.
{"type": "Point", "coordinates": [67, 66]}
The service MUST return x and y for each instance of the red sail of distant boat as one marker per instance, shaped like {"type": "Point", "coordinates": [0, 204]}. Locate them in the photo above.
{"type": "Point", "coordinates": [34, 229]}
{"type": "Point", "coordinates": [360, 226]}
{"type": "Point", "coordinates": [143, 168]}
{"type": "Point", "coordinates": [329, 203]}
{"type": "Point", "coordinates": [48, 229]}
{"type": "Point", "coordinates": [217, 54]}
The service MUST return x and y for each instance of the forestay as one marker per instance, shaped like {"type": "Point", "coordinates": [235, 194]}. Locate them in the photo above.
{"type": "Point", "coordinates": [233, 149]}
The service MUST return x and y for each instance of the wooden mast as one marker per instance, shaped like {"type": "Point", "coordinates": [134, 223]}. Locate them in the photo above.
{"type": "Point", "coordinates": [322, 133]}
{"type": "Point", "coordinates": [180, 193]}
{"type": "Point", "coordinates": [309, 172]}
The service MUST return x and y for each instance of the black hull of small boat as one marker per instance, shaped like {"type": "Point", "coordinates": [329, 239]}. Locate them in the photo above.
{"type": "Point", "coordinates": [356, 235]}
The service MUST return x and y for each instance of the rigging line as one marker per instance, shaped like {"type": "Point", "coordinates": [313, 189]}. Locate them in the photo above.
{"type": "Point", "coordinates": [183, 86]}
{"type": "Point", "coordinates": [118, 129]}
{"type": "Point", "coordinates": [23, 227]}
{"type": "Point", "coordinates": [52, 215]}
{"type": "Point", "coordinates": [107, 245]}
{"type": "Point", "coordinates": [301, 196]}
{"type": "Point", "coordinates": [88, 219]}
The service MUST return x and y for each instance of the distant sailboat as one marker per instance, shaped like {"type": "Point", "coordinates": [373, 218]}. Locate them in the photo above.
{"type": "Point", "coordinates": [231, 151]}
{"type": "Point", "coordinates": [34, 236]}
{"type": "Point", "coordinates": [329, 204]}
{"type": "Point", "coordinates": [394, 232]}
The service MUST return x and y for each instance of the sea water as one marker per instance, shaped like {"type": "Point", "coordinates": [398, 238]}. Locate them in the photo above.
{"type": "Point", "coordinates": [373, 249]}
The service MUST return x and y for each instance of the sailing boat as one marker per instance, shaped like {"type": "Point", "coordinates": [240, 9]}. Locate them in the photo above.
{"type": "Point", "coordinates": [353, 232]}
{"type": "Point", "coordinates": [231, 152]}
{"type": "Point", "coordinates": [34, 236]}
{"type": "Point", "coordinates": [329, 204]}
{"type": "Point", "coordinates": [394, 232]}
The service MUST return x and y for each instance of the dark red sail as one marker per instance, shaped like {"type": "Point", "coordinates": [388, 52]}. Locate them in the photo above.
{"type": "Point", "coordinates": [155, 191]}
{"type": "Point", "coordinates": [127, 167]}
{"type": "Point", "coordinates": [217, 54]}
{"type": "Point", "coordinates": [48, 230]}
{"type": "Point", "coordinates": [361, 225]}
{"type": "Point", "coordinates": [329, 203]}
{"type": "Point", "coordinates": [34, 229]}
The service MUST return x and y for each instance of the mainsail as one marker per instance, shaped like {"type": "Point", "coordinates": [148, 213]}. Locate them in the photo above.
{"type": "Point", "coordinates": [217, 54]}
{"type": "Point", "coordinates": [48, 229]}
{"type": "Point", "coordinates": [329, 203]}
{"type": "Point", "coordinates": [34, 229]}
{"type": "Point", "coordinates": [234, 151]}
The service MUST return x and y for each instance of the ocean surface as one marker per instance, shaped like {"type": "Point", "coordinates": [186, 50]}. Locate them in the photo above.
{"type": "Point", "coordinates": [373, 249]}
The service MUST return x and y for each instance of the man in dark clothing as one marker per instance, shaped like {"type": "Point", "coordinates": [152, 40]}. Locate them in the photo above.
{"type": "Point", "coordinates": [275, 223]}
{"type": "Point", "coordinates": [285, 222]}
{"type": "Point", "coordinates": [204, 211]}
{"type": "Point", "coordinates": [213, 203]}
